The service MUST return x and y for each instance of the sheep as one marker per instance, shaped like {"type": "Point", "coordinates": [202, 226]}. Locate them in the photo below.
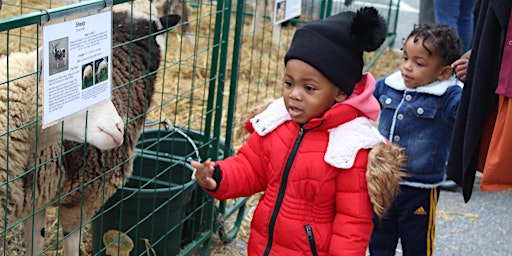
{"type": "Point", "coordinates": [179, 7]}
{"type": "Point", "coordinates": [259, 12]}
{"type": "Point", "coordinates": [59, 54]}
{"type": "Point", "coordinates": [22, 135]}
{"type": "Point", "coordinates": [87, 76]}
{"type": "Point", "coordinates": [262, 7]}
{"type": "Point", "coordinates": [102, 67]}
{"type": "Point", "coordinates": [102, 171]}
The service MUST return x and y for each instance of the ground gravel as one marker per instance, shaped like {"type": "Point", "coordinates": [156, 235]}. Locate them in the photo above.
{"type": "Point", "coordinates": [483, 226]}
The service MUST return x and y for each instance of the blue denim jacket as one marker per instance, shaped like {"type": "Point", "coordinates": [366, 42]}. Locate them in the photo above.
{"type": "Point", "coordinates": [421, 120]}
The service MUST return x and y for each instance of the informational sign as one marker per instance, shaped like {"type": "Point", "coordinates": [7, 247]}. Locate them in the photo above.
{"type": "Point", "coordinates": [286, 9]}
{"type": "Point", "coordinates": [76, 65]}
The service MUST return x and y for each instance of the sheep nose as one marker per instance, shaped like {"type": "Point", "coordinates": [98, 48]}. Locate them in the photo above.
{"type": "Point", "coordinates": [120, 128]}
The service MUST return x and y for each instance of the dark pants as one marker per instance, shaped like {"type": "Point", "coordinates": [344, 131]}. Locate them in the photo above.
{"type": "Point", "coordinates": [410, 219]}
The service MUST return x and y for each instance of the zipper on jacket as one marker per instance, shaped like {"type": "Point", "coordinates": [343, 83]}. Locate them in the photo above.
{"type": "Point", "coordinates": [282, 189]}
{"type": "Point", "coordinates": [311, 239]}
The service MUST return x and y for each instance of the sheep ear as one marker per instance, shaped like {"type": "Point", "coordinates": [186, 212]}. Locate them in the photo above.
{"type": "Point", "coordinates": [169, 21]}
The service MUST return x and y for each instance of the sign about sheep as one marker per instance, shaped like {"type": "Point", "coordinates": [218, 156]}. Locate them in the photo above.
{"type": "Point", "coordinates": [76, 64]}
{"type": "Point", "coordinates": [286, 9]}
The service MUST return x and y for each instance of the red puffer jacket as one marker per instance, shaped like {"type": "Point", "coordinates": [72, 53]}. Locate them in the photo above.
{"type": "Point", "coordinates": [308, 202]}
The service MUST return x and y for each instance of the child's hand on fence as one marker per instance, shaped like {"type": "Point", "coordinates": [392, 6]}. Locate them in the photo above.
{"type": "Point", "coordinates": [204, 173]}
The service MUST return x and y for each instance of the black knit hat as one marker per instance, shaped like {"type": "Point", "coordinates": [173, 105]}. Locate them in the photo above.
{"type": "Point", "coordinates": [335, 45]}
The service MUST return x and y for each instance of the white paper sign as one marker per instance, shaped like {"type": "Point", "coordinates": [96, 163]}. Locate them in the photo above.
{"type": "Point", "coordinates": [76, 65]}
{"type": "Point", "coordinates": [286, 9]}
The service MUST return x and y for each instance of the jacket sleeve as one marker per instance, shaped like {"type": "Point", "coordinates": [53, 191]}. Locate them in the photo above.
{"type": "Point", "coordinates": [353, 223]}
{"type": "Point", "coordinates": [243, 174]}
{"type": "Point", "coordinates": [452, 102]}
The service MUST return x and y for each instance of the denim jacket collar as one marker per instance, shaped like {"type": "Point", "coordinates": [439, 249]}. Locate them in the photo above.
{"type": "Point", "coordinates": [437, 88]}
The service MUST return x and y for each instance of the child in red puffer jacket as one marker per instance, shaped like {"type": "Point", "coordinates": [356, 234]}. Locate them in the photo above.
{"type": "Point", "coordinates": [311, 150]}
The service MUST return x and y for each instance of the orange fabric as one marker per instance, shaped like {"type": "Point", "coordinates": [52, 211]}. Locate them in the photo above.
{"type": "Point", "coordinates": [497, 173]}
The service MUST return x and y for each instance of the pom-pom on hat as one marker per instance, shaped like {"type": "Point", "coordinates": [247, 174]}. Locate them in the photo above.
{"type": "Point", "coordinates": [335, 45]}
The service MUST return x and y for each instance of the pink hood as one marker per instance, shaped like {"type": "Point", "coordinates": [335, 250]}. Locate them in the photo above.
{"type": "Point", "coordinates": [362, 98]}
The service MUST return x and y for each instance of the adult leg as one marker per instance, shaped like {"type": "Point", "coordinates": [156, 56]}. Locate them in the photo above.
{"type": "Point", "coordinates": [447, 11]}
{"type": "Point", "coordinates": [465, 22]}
{"type": "Point", "coordinates": [427, 15]}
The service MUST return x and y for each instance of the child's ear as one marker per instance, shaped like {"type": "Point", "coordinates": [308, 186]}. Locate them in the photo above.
{"type": "Point", "coordinates": [341, 96]}
{"type": "Point", "coordinates": [445, 73]}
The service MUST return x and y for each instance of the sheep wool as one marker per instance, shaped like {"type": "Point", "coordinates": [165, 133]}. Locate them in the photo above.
{"type": "Point", "coordinates": [87, 77]}
{"type": "Point", "coordinates": [17, 101]}
{"type": "Point", "coordinates": [102, 66]}
{"type": "Point", "coordinates": [22, 135]}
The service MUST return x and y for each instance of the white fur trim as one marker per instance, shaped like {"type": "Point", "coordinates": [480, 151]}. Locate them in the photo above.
{"type": "Point", "coordinates": [344, 141]}
{"type": "Point", "coordinates": [268, 120]}
{"type": "Point", "coordinates": [347, 139]}
{"type": "Point", "coordinates": [438, 88]}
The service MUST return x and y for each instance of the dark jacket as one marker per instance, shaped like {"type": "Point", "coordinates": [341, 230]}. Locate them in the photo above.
{"type": "Point", "coordinates": [478, 97]}
{"type": "Point", "coordinates": [420, 120]}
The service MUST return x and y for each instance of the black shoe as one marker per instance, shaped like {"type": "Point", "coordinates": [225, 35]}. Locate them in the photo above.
{"type": "Point", "coordinates": [450, 185]}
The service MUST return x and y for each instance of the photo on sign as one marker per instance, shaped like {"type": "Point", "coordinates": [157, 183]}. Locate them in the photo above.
{"type": "Point", "coordinates": [101, 70]}
{"type": "Point", "coordinates": [58, 59]}
{"type": "Point", "coordinates": [280, 10]}
{"type": "Point", "coordinates": [285, 10]}
{"type": "Point", "coordinates": [87, 75]}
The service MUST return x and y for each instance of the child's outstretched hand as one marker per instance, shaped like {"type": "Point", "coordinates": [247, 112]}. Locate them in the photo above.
{"type": "Point", "coordinates": [204, 173]}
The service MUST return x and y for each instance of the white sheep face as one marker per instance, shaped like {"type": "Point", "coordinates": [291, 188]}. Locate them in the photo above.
{"type": "Point", "coordinates": [100, 126]}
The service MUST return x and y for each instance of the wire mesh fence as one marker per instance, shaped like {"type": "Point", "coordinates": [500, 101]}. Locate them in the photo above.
{"type": "Point", "coordinates": [189, 101]}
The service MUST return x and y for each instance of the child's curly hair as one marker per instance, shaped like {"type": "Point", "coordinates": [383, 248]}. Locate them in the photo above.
{"type": "Point", "coordinates": [438, 38]}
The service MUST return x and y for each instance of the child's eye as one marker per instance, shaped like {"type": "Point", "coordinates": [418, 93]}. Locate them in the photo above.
{"type": "Point", "coordinates": [310, 88]}
{"type": "Point", "coordinates": [420, 64]}
{"type": "Point", "coordinates": [288, 84]}
{"type": "Point", "coordinates": [404, 58]}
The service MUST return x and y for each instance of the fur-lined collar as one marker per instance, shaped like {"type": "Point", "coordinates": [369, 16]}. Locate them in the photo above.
{"type": "Point", "coordinates": [437, 88]}
{"type": "Point", "coordinates": [344, 141]}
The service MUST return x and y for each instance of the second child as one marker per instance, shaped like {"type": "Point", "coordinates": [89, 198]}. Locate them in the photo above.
{"type": "Point", "coordinates": [419, 105]}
